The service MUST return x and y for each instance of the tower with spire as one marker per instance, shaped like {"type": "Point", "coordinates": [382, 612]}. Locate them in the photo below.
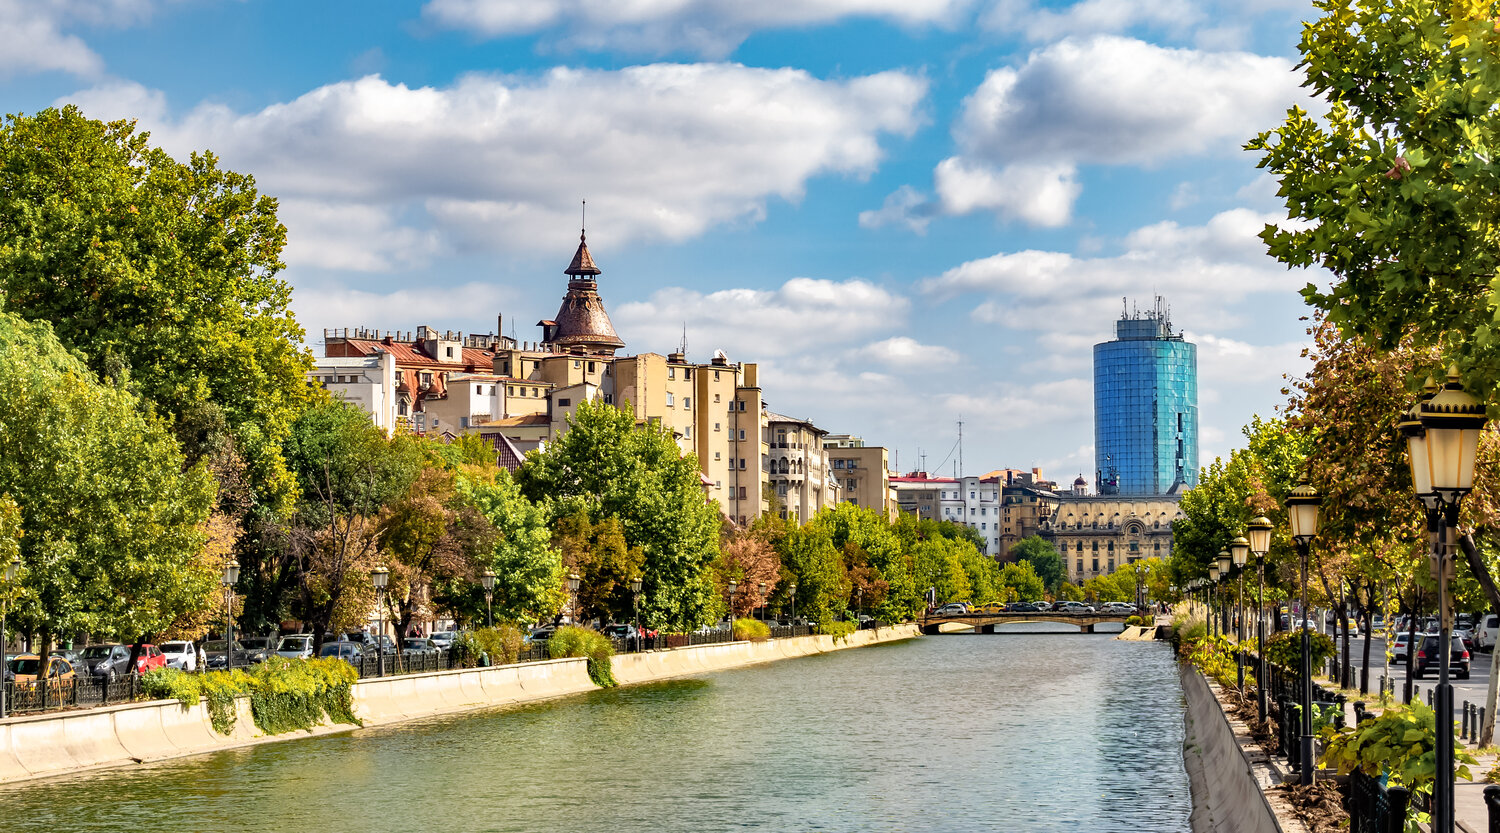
{"type": "Point", "coordinates": [581, 323]}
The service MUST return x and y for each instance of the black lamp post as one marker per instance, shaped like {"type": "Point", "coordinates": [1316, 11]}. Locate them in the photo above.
{"type": "Point", "coordinates": [1239, 552]}
{"type": "Point", "coordinates": [1442, 450]}
{"type": "Point", "coordinates": [573, 582]}
{"type": "Point", "coordinates": [1212, 592]}
{"type": "Point", "coordinates": [635, 609]}
{"type": "Point", "coordinates": [231, 576]}
{"type": "Point", "coordinates": [1225, 563]}
{"type": "Point", "coordinates": [11, 570]}
{"type": "Point", "coordinates": [487, 580]}
{"type": "Point", "coordinates": [763, 601]}
{"type": "Point", "coordinates": [793, 590]}
{"type": "Point", "coordinates": [1259, 530]}
{"type": "Point", "coordinates": [729, 619]}
{"type": "Point", "coordinates": [380, 577]}
{"type": "Point", "coordinates": [1302, 510]}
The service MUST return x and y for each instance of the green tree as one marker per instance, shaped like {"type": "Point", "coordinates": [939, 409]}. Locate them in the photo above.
{"type": "Point", "coordinates": [603, 562]}
{"type": "Point", "coordinates": [811, 561]}
{"type": "Point", "coordinates": [883, 551]}
{"type": "Point", "coordinates": [528, 570]}
{"type": "Point", "coordinates": [162, 272]}
{"type": "Point", "coordinates": [936, 564]}
{"type": "Point", "coordinates": [349, 472]}
{"type": "Point", "coordinates": [114, 523]}
{"type": "Point", "coordinates": [1043, 558]}
{"type": "Point", "coordinates": [1021, 582]}
{"type": "Point", "coordinates": [608, 466]}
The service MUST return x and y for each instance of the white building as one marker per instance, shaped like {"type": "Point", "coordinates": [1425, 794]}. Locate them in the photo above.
{"type": "Point", "coordinates": [366, 381]}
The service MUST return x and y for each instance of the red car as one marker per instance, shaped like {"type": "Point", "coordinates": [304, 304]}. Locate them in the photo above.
{"type": "Point", "coordinates": [150, 657]}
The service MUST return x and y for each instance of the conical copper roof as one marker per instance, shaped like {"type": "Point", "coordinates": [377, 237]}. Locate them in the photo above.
{"type": "Point", "coordinates": [582, 321]}
{"type": "Point", "coordinates": [583, 262]}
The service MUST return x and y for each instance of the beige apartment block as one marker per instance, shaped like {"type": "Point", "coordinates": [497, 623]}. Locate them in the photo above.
{"type": "Point", "coordinates": [863, 471]}
{"type": "Point", "coordinates": [800, 467]}
{"type": "Point", "coordinates": [1098, 534]}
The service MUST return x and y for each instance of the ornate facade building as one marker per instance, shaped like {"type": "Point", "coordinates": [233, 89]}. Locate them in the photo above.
{"type": "Point", "coordinates": [1098, 534]}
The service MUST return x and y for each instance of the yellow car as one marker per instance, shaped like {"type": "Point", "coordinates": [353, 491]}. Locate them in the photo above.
{"type": "Point", "coordinates": [26, 666]}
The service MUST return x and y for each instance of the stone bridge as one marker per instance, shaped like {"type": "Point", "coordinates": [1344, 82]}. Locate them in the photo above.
{"type": "Point", "coordinates": [986, 622]}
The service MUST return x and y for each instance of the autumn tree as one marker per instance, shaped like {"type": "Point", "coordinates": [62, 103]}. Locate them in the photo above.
{"type": "Point", "coordinates": [750, 561]}
{"type": "Point", "coordinates": [605, 565]}
{"type": "Point", "coordinates": [878, 564]}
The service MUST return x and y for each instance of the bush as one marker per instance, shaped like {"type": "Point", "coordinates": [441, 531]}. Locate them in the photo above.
{"type": "Point", "coordinates": [751, 629]}
{"type": "Point", "coordinates": [838, 630]}
{"type": "Point", "coordinates": [575, 641]}
{"type": "Point", "coordinates": [1285, 649]}
{"type": "Point", "coordinates": [502, 643]}
{"type": "Point", "coordinates": [1135, 622]}
{"type": "Point", "coordinates": [284, 694]}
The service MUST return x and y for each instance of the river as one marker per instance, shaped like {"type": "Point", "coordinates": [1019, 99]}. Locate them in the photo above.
{"type": "Point", "coordinates": [1011, 732]}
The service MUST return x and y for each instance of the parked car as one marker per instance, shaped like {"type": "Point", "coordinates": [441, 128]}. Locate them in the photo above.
{"type": "Point", "coordinates": [1021, 607]}
{"type": "Point", "coordinates": [296, 646]}
{"type": "Point", "coordinates": [543, 633]}
{"type": "Point", "coordinates": [257, 648]}
{"type": "Point", "coordinates": [625, 632]}
{"type": "Point", "coordinates": [74, 658]}
{"type": "Point", "coordinates": [350, 652]}
{"type": "Point", "coordinates": [418, 646]}
{"type": "Point", "coordinates": [1458, 657]}
{"type": "Point", "coordinates": [443, 639]}
{"type": "Point", "coordinates": [1399, 647]}
{"type": "Point", "coordinates": [954, 609]}
{"type": "Point", "coordinates": [107, 661]}
{"type": "Point", "coordinates": [24, 668]}
{"type": "Point", "coordinates": [181, 655]}
{"type": "Point", "coordinates": [216, 652]}
{"type": "Point", "coordinates": [1488, 630]}
{"type": "Point", "coordinates": [1043, 605]}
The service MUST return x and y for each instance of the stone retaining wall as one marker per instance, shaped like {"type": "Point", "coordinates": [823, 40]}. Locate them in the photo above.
{"type": "Point", "coordinates": [1228, 786]}
{"type": "Point", "coordinates": [39, 746]}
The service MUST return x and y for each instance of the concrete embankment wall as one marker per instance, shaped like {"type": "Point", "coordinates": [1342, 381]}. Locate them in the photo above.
{"type": "Point", "coordinates": [1227, 796]}
{"type": "Point", "coordinates": [39, 746]}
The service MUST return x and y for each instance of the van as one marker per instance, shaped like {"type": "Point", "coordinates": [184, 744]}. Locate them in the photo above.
{"type": "Point", "coordinates": [1486, 633]}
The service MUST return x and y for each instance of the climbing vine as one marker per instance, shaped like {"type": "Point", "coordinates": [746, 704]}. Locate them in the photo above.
{"type": "Point", "coordinates": [284, 694]}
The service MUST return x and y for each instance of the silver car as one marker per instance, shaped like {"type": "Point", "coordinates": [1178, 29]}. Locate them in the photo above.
{"type": "Point", "coordinates": [296, 646]}
{"type": "Point", "coordinates": [182, 654]}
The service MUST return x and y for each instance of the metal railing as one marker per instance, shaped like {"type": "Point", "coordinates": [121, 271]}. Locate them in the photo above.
{"type": "Point", "coordinates": [31, 697]}
{"type": "Point", "coordinates": [1373, 808]}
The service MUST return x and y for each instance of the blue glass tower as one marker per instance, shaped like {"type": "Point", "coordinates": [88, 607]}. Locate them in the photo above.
{"type": "Point", "coordinates": [1145, 407]}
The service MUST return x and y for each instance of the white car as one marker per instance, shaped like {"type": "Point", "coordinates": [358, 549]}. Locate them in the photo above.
{"type": "Point", "coordinates": [1488, 630]}
{"type": "Point", "coordinates": [182, 655]}
{"type": "Point", "coordinates": [296, 646]}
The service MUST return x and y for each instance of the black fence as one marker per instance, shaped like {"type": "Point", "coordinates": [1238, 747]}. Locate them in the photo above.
{"type": "Point", "coordinates": [30, 697]}
{"type": "Point", "coordinates": [1373, 808]}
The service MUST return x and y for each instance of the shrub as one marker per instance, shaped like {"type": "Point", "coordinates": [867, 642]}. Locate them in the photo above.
{"type": "Point", "coordinates": [1135, 621]}
{"type": "Point", "coordinates": [838, 630]}
{"type": "Point", "coordinates": [1285, 649]}
{"type": "Point", "coordinates": [284, 694]}
{"type": "Point", "coordinates": [575, 641]}
{"type": "Point", "coordinates": [501, 643]}
{"type": "Point", "coordinates": [1399, 742]}
{"type": "Point", "coordinates": [751, 629]}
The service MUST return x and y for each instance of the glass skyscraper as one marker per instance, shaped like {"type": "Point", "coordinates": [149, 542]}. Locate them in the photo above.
{"type": "Point", "coordinates": [1145, 407]}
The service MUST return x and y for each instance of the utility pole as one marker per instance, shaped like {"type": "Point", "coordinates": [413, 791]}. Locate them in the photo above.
{"type": "Point", "coordinates": [960, 445]}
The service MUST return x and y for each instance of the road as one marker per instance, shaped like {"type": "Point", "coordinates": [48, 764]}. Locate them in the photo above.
{"type": "Point", "coordinates": [1472, 689]}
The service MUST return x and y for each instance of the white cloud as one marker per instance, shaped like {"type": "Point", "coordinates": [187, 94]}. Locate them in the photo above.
{"type": "Point", "coordinates": [456, 307]}
{"type": "Point", "coordinates": [1019, 407]}
{"type": "Point", "coordinates": [1036, 194]}
{"type": "Point", "coordinates": [1089, 17]}
{"type": "Point", "coordinates": [903, 351]}
{"type": "Point", "coordinates": [660, 152]}
{"type": "Point", "coordinates": [802, 316]}
{"type": "Point", "coordinates": [35, 34]}
{"type": "Point", "coordinates": [364, 238]}
{"type": "Point", "coordinates": [713, 28]}
{"type": "Point", "coordinates": [904, 206]}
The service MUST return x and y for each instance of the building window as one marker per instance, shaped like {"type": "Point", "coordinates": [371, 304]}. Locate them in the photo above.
{"type": "Point", "coordinates": [463, 422]}
{"type": "Point", "coordinates": [971, 496]}
{"type": "Point", "coordinates": [535, 392]}
{"type": "Point", "coordinates": [742, 468]}
{"type": "Point", "coordinates": [591, 367]}
{"type": "Point", "coordinates": [716, 397]}
{"type": "Point", "coordinates": [671, 373]}
{"type": "Point", "coordinates": [742, 433]}
{"type": "Point", "coordinates": [984, 526]}
{"type": "Point", "coordinates": [425, 379]}
{"type": "Point", "coordinates": [671, 400]}
{"type": "Point", "coordinates": [1096, 565]}
{"type": "Point", "coordinates": [577, 364]}
{"type": "Point", "coordinates": [718, 484]}
{"type": "Point", "coordinates": [450, 352]}
{"type": "Point", "coordinates": [687, 402]}
{"type": "Point", "coordinates": [401, 407]}
{"type": "Point", "coordinates": [609, 399]}
{"type": "Point", "coordinates": [688, 431]}
{"type": "Point", "coordinates": [853, 485]}
{"type": "Point", "coordinates": [742, 488]}
{"type": "Point", "coordinates": [510, 390]}
{"type": "Point", "coordinates": [716, 426]}
{"type": "Point", "coordinates": [1080, 565]}
{"type": "Point", "coordinates": [563, 403]}
{"type": "Point", "coordinates": [716, 455]}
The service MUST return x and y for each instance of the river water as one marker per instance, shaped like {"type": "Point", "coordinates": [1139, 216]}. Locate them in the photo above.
{"type": "Point", "coordinates": [1007, 732]}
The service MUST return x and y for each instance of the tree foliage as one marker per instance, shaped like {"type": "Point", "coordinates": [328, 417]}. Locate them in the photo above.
{"type": "Point", "coordinates": [1043, 558]}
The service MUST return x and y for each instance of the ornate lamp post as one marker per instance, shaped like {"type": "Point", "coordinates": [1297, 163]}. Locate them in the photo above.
{"type": "Point", "coordinates": [1210, 591]}
{"type": "Point", "coordinates": [487, 580]}
{"type": "Point", "coordinates": [793, 590]}
{"type": "Point", "coordinates": [1302, 510]}
{"type": "Point", "coordinates": [1239, 552]}
{"type": "Point", "coordinates": [1225, 563]}
{"type": "Point", "coordinates": [1442, 461]}
{"type": "Point", "coordinates": [1259, 530]}
{"type": "Point", "coordinates": [231, 576]}
{"type": "Point", "coordinates": [380, 577]}
{"type": "Point", "coordinates": [729, 619]}
{"type": "Point", "coordinates": [763, 602]}
{"type": "Point", "coordinates": [11, 571]}
{"type": "Point", "coordinates": [635, 609]}
{"type": "Point", "coordinates": [573, 582]}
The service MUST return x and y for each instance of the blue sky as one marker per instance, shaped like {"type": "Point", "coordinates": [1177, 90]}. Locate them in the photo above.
{"type": "Point", "coordinates": [909, 212]}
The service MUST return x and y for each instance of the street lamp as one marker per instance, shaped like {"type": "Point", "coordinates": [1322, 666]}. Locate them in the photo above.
{"type": "Point", "coordinates": [763, 601]}
{"type": "Point", "coordinates": [11, 570]}
{"type": "Point", "coordinates": [1213, 582]}
{"type": "Point", "coordinates": [380, 577]}
{"type": "Point", "coordinates": [573, 582]}
{"type": "Point", "coordinates": [1225, 562]}
{"type": "Point", "coordinates": [231, 576]}
{"type": "Point", "coordinates": [1302, 510]}
{"type": "Point", "coordinates": [729, 619]}
{"type": "Point", "coordinates": [635, 609]}
{"type": "Point", "coordinates": [1442, 460]}
{"type": "Point", "coordinates": [793, 590]}
{"type": "Point", "coordinates": [1239, 551]}
{"type": "Point", "coordinates": [487, 580]}
{"type": "Point", "coordinates": [1259, 531]}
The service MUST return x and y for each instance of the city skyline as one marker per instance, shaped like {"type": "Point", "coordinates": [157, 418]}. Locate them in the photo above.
{"type": "Point", "coordinates": [935, 233]}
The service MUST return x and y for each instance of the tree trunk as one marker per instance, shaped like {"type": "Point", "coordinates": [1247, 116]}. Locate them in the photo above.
{"type": "Point", "coordinates": [1364, 670]}
{"type": "Point", "coordinates": [1411, 639]}
{"type": "Point", "coordinates": [1486, 581]}
{"type": "Point", "coordinates": [1346, 679]}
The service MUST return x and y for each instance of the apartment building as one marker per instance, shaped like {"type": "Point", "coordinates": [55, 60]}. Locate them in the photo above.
{"type": "Point", "coordinates": [799, 466]}
{"type": "Point", "coordinates": [864, 472]}
{"type": "Point", "coordinates": [367, 381]}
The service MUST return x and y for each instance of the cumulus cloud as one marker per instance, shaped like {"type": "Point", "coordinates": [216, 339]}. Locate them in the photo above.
{"type": "Point", "coordinates": [660, 152]}
{"type": "Point", "coordinates": [1040, 23]}
{"type": "Point", "coordinates": [1023, 135]}
{"type": "Point", "coordinates": [35, 34]}
{"type": "Point", "coordinates": [712, 28]}
{"type": "Point", "coordinates": [803, 315]}
{"type": "Point", "coordinates": [904, 351]}
{"type": "Point", "coordinates": [466, 307]}
{"type": "Point", "coordinates": [905, 206]}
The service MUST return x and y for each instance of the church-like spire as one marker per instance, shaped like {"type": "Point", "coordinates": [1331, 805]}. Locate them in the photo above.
{"type": "Point", "coordinates": [583, 262]}
{"type": "Point", "coordinates": [582, 321]}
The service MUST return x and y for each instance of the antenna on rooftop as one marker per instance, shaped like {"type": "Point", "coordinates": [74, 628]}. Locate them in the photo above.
{"type": "Point", "coordinates": [683, 348]}
{"type": "Point", "coordinates": [960, 462]}
{"type": "Point", "coordinates": [583, 222]}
